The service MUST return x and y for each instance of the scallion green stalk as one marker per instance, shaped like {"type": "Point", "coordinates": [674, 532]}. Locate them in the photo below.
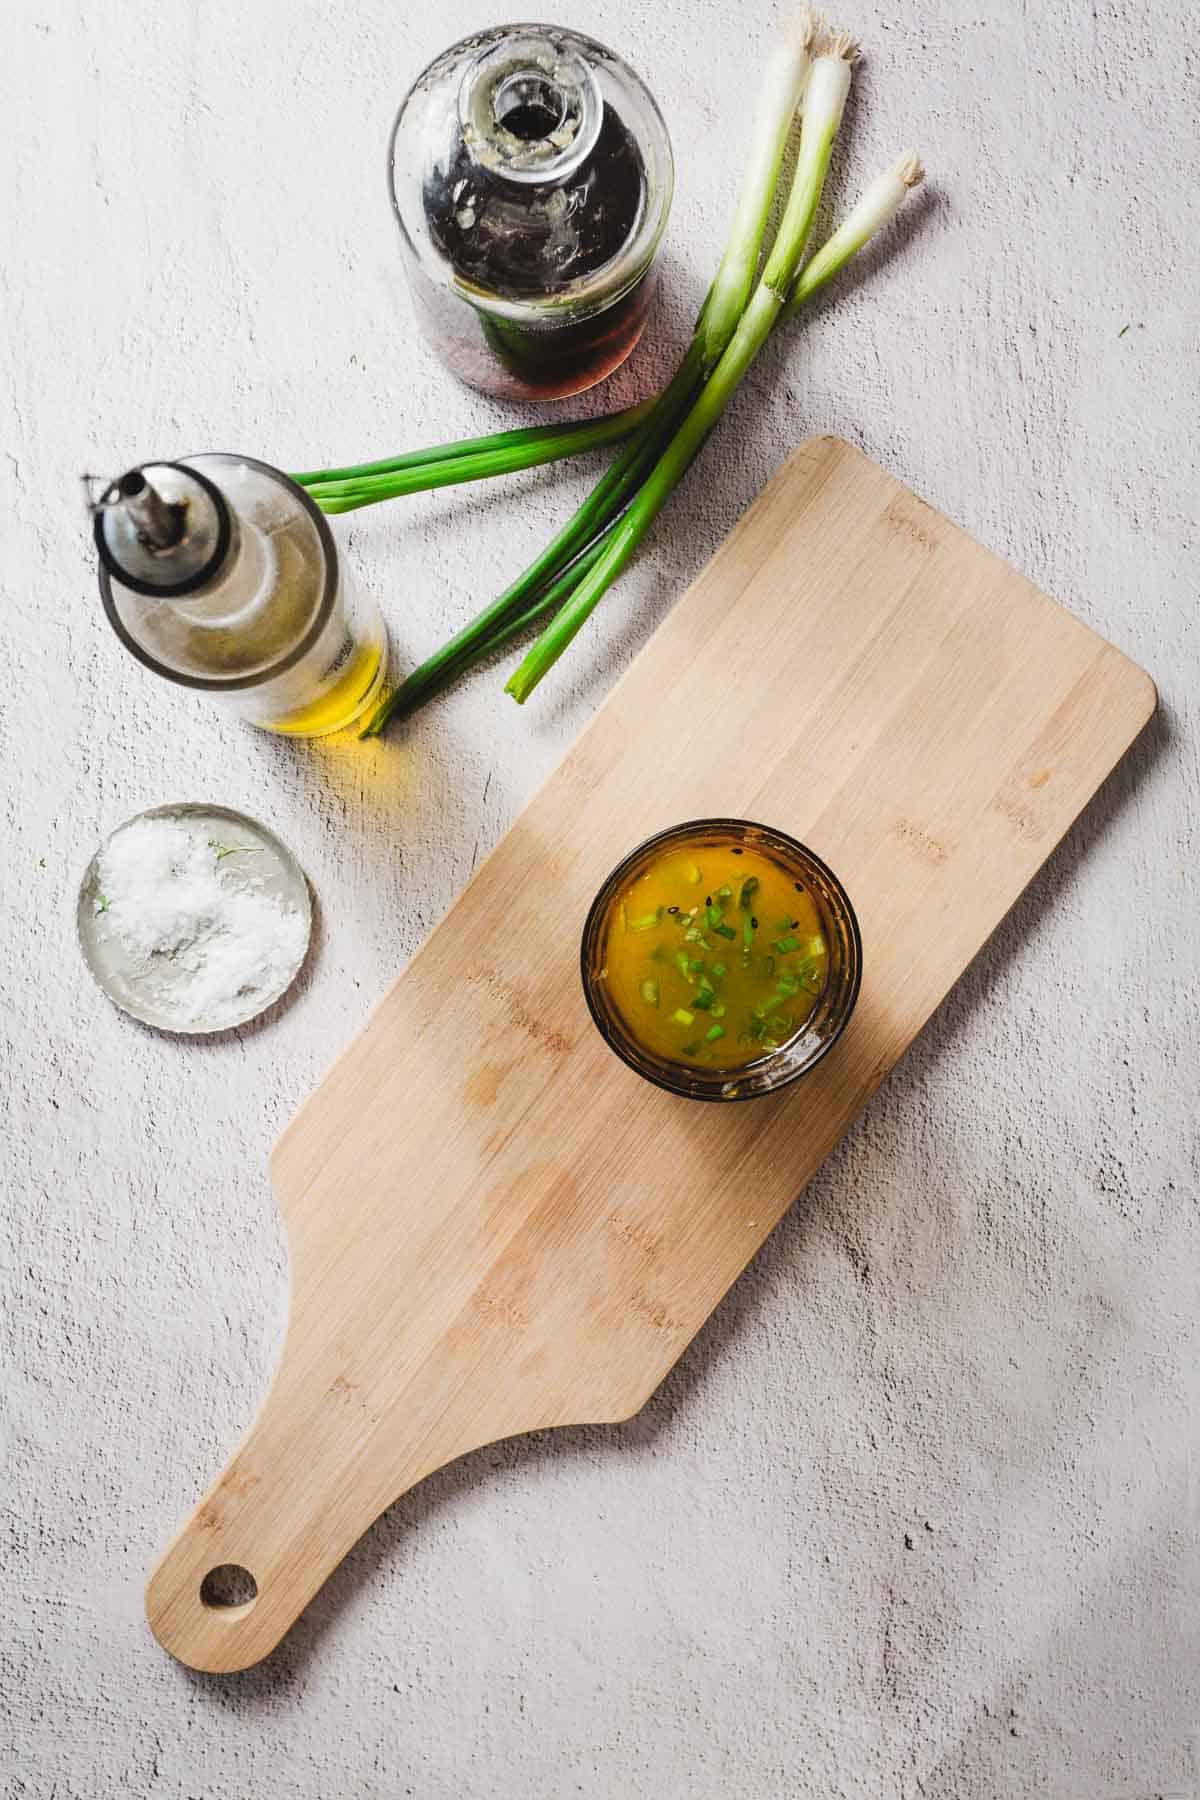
{"type": "Point", "coordinates": [467, 459]}
{"type": "Point", "coordinates": [461, 653]}
{"type": "Point", "coordinates": [824, 102]}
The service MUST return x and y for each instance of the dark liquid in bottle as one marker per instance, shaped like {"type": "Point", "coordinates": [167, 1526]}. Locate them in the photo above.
{"type": "Point", "coordinates": [530, 241]}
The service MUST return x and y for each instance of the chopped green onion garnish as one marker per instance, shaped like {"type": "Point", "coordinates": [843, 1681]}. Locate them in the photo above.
{"type": "Point", "coordinates": [719, 971]}
{"type": "Point", "coordinates": [647, 922]}
{"type": "Point", "coordinates": [702, 1001]}
{"type": "Point", "coordinates": [749, 888]}
{"type": "Point", "coordinates": [785, 945]}
{"type": "Point", "coordinates": [683, 965]}
{"type": "Point", "coordinates": [725, 893]}
{"type": "Point", "coordinates": [697, 962]}
{"type": "Point", "coordinates": [748, 933]}
{"type": "Point", "coordinates": [713, 914]}
{"type": "Point", "coordinates": [808, 974]}
{"type": "Point", "coordinates": [693, 874]}
{"type": "Point", "coordinates": [713, 1033]}
{"type": "Point", "coordinates": [769, 1006]}
{"type": "Point", "coordinates": [768, 966]}
{"type": "Point", "coordinates": [725, 931]}
{"type": "Point", "coordinates": [717, 1010]}
{"type": "Point", "coordinates": [650, 992]}
{"type": "Point", "coordinates": [681, 1016]}
{"type": "Point", "coordinates": [690, 1050]}
{"type": "Point", "coordinates": [788, 985]}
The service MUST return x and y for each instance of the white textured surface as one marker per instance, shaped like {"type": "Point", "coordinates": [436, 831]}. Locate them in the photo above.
{"type": "Point", "coordinates": [915, 1514]}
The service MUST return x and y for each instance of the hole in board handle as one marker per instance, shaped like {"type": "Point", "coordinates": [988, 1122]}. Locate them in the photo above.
{"type": "Point", "coordinates": [229, 1589]}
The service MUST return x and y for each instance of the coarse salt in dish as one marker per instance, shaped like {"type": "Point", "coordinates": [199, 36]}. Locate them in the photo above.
{"type": "Point", "coordinates": [183, 920]}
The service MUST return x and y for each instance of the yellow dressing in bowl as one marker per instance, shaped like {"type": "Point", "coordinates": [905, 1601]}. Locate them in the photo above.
{"type": "Point", "coordinates": [714, 958]}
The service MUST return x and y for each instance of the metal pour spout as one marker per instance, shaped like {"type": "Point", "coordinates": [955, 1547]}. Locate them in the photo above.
{"type": "Point", "coordinates": [160, 524]}
{"type": "Point", "coordinates": [163, 529]}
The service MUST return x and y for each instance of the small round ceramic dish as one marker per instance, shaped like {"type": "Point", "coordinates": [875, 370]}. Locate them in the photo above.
{"type": "Point", "coordinates": [162, 988]}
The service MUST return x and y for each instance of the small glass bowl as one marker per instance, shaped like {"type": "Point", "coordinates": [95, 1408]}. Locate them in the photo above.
{"type": "Point", "coordinates": [765, 1074]}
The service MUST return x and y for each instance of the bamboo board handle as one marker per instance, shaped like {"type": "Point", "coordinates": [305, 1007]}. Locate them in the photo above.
{"type": "Point", "coordinates": [294, 1499]}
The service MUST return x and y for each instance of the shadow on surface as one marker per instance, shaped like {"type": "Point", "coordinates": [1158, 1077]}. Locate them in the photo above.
{"type": "Point", "coordinates": [719, 1335]}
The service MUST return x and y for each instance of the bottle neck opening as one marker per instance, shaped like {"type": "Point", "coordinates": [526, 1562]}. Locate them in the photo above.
{"type": "Point", "coordinates": [530, 110]}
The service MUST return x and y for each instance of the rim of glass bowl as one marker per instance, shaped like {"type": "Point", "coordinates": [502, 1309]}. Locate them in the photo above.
{"type": "Point", "coordinates": [765, 1074]}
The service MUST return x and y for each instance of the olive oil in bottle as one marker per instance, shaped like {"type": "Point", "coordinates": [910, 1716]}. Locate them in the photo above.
{"type": "Point", "coordinates": [219, 572]}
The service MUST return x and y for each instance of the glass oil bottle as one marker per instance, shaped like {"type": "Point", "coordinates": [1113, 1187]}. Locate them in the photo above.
{"type": "Point", "coordinates": [220, 573]}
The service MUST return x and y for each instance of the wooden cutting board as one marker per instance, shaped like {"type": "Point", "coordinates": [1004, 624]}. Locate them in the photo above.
{"type": "Point", "coordinates": [494, 1226]}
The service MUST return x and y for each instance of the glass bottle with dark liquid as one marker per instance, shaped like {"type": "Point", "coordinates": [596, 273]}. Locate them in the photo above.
{"type": "Point", "coordinates": [531, 175]}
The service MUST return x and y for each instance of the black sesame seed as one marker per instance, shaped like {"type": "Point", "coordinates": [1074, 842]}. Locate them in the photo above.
{"type": "Point", "coordinates": [799, 886]}
{"type": "Point", "coordinates": [672, 909]}
{"type": "Point", "coordinates": [736, 851]}
{"type": "Point", "coordinates": [754, 924]}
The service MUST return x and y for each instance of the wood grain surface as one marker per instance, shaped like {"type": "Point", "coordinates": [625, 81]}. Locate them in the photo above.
{"type": "Point", "coordinates": [493, 1225]}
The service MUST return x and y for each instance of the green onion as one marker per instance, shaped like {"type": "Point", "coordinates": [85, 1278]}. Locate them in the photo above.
{"type": "Point", "coordinates": [783, 86]}
{"type": "Point", "coordinates": [725, 931]}
{"type": "Point", "coordinates": [466, 459]}
{"type": "Point", "coordinates": [870, 213]}
{"type": "Point", "coordinates": [647, 922]}
{"type": "Point", "coordinates": [824, 101]}
{"type": "Point", "coordinates": [702, 1001]}
{"type": "Point", "coordinates": [587, 555]}
{"type": "Point", "coordinates": [719, 971]}
{"type": "Point", "coordinates": [785, 945]}
{"type": "Point", "coordinates": [748, 933]}
{"type": "Point", "coordinates": [650, 992]}
{"type": "Point", "coordinates": [683, 965]}
{"type": "Point", "coordinates": [495, 627]}
{"type": "Point", "coordinates": [717, 1010]}
{"type": "Point", "coordinates": [748, 890]}
{"type": "Point", "coordinates": [808, 974]}
{"type": "Point", "coordinates": [713, 1033]}
{"type": "Point", "coordinates": [681, 1016]}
